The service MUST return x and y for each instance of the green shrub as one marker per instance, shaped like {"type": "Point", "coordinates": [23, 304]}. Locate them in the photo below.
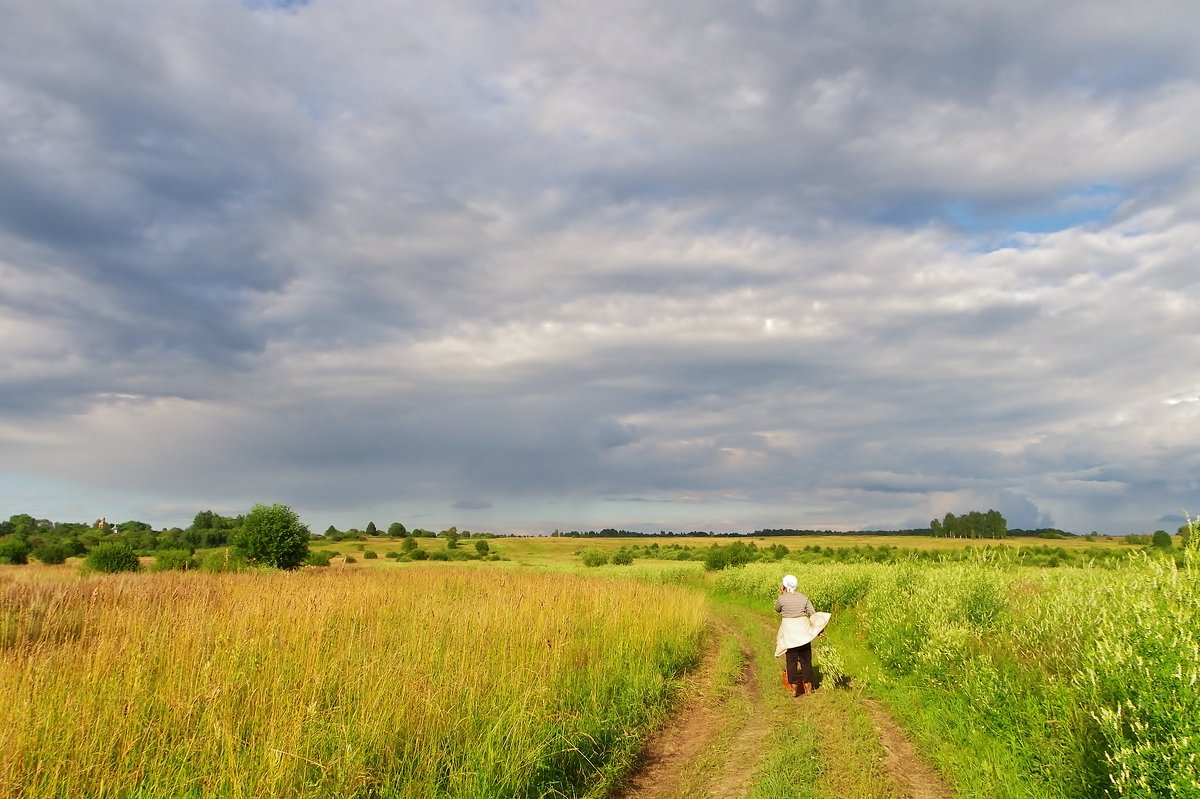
{"type": "Point", "coordinates": [371, 554]}
{"type": "Point", "coordinates": [350, 559]}
{"type": "Point", "coordinates": [482, 547]}
{"type": "Point", "coordinates": [622, 558]}
{"type": "Point", "coordinates": [409, 544]}
{"type": "Point", "coordinates": [418, 554]}
{"type": "Point", "coordinates": [52, 554]}
{"type": "Point", "coordinates": [318, 557]}
{"type": "Point", "coordinates": [223, 560]}
{"type": "Point", "coordinates": [394, 555]}
{"type": "Point", "coordinates": [593, 557]}
{"type": "Point", "coordinates": [112, 557]}
{"type": "Point", "coordinates": [439, 554]}
{"type": "Point", "coordinates": [174, 560]}
{"type": "Point", "coordinates": [272, 535]}
{"type": "Point", "coordinates": [13, 550]}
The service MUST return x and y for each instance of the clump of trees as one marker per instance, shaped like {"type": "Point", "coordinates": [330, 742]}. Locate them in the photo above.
{"type": "Point", "coordinates": [970, 525]}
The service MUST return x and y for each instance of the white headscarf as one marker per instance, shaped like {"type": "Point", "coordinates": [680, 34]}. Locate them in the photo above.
{"type": "Point", "coordinates": [789, 583]}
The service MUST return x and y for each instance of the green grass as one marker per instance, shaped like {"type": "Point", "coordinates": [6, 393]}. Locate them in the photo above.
{"type": "Point", "coordinates": [1024, 682]}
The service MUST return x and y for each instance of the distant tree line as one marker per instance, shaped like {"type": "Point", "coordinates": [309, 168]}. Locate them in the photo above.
{"type": "Point", "coordinates": [23, 537]}
{"type": "Point", "coordinates": [971, 525]}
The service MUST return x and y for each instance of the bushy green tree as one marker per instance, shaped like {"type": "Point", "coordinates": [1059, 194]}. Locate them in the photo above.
{"type": "Point", "coordinates": [14, 549]}
{"type": "Point", "coordinates": [594, 557]}
{"type": "Point", "coordinates": [397, 530]}
{"type": "Point", "coordinates": [52, 553]}
{"type": "Point", "coordinates": [372, 529]}
{"type": "Point", "coordinates": [273, 535]}
{"type": "Point", "coordinates": [1161, 540]}
{"type": "Point", "coordinates": [482, 547]}
{"type": "Point", "coordinates": [22, 524]}
{"type": "Point", "coordinates": [113, 557]}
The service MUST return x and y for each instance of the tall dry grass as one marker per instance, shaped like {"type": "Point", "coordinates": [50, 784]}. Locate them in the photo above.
{"type": "Point", "coordinates": [399, 683]}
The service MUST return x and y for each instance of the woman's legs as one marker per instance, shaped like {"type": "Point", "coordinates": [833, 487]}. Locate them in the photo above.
{"type": "Point", "coordinates": [792, 658]}
{"type": "Point", "coordinates": [804, 654]}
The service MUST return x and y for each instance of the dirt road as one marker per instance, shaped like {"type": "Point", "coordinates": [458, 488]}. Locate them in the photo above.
{"type": "Point", "coordinates": [740, 734]}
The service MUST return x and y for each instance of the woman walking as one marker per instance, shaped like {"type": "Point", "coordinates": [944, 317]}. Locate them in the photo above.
{"type": "Point", "coordinates": [798, 626]}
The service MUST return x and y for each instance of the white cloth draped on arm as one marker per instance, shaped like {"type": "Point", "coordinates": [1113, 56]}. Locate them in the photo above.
{"type": "Point", "coordinates": [799, 631]}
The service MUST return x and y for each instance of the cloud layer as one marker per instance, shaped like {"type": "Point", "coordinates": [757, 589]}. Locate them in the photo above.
{"type": "Point", "coordinates": [651, 265]}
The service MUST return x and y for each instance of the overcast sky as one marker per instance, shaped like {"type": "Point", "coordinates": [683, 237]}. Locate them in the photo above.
{"type": "Point", "coordinates": [647, 265]}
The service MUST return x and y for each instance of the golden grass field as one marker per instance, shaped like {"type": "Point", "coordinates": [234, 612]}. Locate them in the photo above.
{"type": "Point", "coordinates": [413, 682]}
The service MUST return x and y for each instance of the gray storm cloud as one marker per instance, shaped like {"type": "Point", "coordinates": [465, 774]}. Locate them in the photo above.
{"type": "Point", "coordinates": [658, 265]}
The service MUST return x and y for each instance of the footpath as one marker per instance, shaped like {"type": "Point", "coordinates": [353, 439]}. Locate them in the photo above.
{"type": "Point", "coordinates": [738, 733]}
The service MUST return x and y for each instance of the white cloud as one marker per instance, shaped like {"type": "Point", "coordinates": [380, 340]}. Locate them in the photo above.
{"type": "Point", "coordinates": [538, 264]}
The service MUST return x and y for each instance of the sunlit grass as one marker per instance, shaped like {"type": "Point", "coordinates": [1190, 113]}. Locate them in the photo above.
{"type": "Point", "coordinates": [407, 682]}
{"type": "Point", "coordinates": [1066, 682]}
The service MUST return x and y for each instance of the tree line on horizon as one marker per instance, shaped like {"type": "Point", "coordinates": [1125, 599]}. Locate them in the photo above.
{"type": "Point", "coordinates": [22, 536]}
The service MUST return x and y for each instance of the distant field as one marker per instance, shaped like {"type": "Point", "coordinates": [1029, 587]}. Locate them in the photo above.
{"type": "Point", "coordinates": [552, 551]}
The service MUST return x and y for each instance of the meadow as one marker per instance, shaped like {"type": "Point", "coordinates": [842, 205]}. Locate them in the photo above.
{"type": "Point", "coordinates": [411, 682]}
{"type": "Point", "coordinates": [536, 675]}
{"type": "Point", "coordinates": [1069, 682]}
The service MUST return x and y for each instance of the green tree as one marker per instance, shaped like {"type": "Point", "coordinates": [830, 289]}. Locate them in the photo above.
{"type": "Point", "coordinates": [22, 524]}
{"type": "Point", "coordinates": [372, 529]}
{"type": "Point", "coordinates": [14, 550]}
{"type": "Point", "coordinates": [397, 530]}
{"type": "Point", "coordinates": [52, 553]}
{"type": "Point", "coordinates": [112, 557]}
{"type": "Point", "coordinates": [272, 535]}
{"type": "Point", "coordinates": [1161, 540]}
{"type": "Point", "coordinates": [482, 547]}
{"type": "Point", "coordinates": [409, 544]}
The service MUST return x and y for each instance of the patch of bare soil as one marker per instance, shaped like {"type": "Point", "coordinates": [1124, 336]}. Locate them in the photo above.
{"type": "Point", "coordinates": [681, 741]}
{"type": "Point", "coordinates": [913, 776]}
{"type": "Point", "coordinates": [690, 738]}
{"type": "Point", "coordinates": [747, 747]}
